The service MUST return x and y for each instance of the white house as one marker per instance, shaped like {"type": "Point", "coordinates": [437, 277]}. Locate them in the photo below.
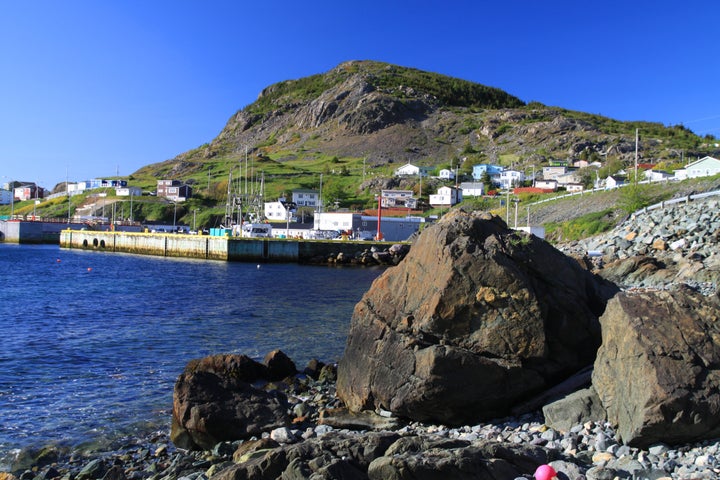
{"type": "Point", "coordinates": [574, 187]}
{"type": "Point", "coordinates": [552, 172]}
{"type": "Point", "coordinates": [28, 191]}
{"type": "Point", "coordinates": [279, 211]}
{"type": "Point", "coordinates": [397, 199]}
{"type": "Point", "coordinates": [472, 189]}
{"type": "Point", "coordinates": [80, 187]}
{"type": "Point", "coordinates": [547, 184]}
{"type": "Point", "coordinates": [128, 191]}
{"type": "Point", "coordinates": [393, 229]}
{"type": "Point", "coordinates": [303, 197]}
{"type": "Point", "coordinates": [568, 178]}
{"type": "Point", "coordinates": [704, 167]}
{"type": "Point", "coordinates": [446, 197]}
{"type": "Point", "coordinates": [614, 181]}
{"type": "Point", "coordinates": [446, 174]}
{"type": "Point", "coordinates": [409, 170]}
{"type": "Point", "coordinates": [657, 175]}
{"type": "Point", "coordinates": [511, 178]}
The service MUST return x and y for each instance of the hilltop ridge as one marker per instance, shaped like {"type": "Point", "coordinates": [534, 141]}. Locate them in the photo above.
{"type": "Point", "coordinates": [393, 114]}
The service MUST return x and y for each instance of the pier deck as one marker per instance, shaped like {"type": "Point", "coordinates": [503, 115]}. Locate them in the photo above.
{"type": "Point", "coordinates": [213, 247]}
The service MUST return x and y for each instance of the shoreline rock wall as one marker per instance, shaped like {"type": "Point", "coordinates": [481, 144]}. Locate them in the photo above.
{"type": "Point", "coordinates": [676, 244]}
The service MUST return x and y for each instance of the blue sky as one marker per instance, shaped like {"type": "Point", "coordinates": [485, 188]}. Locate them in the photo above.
{"type": "Point", "coordinates": [91, 88]}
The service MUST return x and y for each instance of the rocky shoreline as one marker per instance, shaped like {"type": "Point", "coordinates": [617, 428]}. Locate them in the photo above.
{"type": "Point", "coordinates": [658, 248]}
{"type": "Point", "coordinates": [322, 444]}
{"type": "Point", "coordinates": [647, 258]}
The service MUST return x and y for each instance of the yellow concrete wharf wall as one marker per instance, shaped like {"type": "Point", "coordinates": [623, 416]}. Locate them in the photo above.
{"type": "Point", "coordinates": [210, 247]}
{"type": "Point", "coordinates": [159, 244]}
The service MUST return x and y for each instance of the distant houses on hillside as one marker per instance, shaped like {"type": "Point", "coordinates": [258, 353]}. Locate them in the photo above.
{"type": "Point", "coordinates": [704, 167]}
{"type": "Point", "coordinates": [413, 170]}
{"type": "Point", "coordinates": [303, 197]}
{"type": "Point", "coordinates": [28, 191]}
{"type": "Point", "coordinates": [398, 199]}
{"type": "Point", "coordinates": [173, 190]}
{"type": "Point", "coordinates": [472, 189]}
{"type": "Point", "coordinates": [446, 197]}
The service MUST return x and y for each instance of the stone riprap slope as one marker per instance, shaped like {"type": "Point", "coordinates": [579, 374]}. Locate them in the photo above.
{"type": "Point", "coordinates": [675, 243]}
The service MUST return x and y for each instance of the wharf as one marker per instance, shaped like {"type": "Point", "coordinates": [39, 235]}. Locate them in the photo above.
{"type": "Point", "coordinates": [208, 247]}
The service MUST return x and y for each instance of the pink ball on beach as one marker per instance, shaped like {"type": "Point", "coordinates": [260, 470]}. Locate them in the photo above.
{"type": "Point", "coordinates": [544, 472]}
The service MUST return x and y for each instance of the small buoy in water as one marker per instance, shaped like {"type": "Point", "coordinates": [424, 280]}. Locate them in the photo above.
{"type": "Point", "coordinates": [58, 260]}
{"type": "Point", "coordinates": [545, 472]}
{"type": "Point", "coordinates": [258, 266]}
{"type": "Point", "coordinates": [89, 269]}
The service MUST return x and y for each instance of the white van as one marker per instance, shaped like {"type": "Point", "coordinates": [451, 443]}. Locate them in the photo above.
{"type": "Point", "coordinates": [257, 230]}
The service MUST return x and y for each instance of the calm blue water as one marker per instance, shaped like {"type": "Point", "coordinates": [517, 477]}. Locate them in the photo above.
{"type": "Point", "coordinates": [92, 342]}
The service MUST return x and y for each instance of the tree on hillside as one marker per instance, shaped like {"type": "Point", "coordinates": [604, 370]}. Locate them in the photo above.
{"type": "Point", "coordinates": [611, 167]}
{"type": "Point", "coordinates": [487, 182]}
{"type": "Point", "coordinates": [633, 197]}
{"type": "Point", "coordinates": [334, 193]}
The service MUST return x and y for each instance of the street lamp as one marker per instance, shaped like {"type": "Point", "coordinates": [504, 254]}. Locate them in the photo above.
{"type": "Point", "coordinates": [194, 218]}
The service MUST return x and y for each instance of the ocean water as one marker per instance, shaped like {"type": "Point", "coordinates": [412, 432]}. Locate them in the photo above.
{"type": "Point", "coordinates": [92, 342]}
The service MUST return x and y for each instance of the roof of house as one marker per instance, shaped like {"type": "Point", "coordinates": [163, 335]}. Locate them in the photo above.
{"type": "Point", "coordinates": [701, 160]}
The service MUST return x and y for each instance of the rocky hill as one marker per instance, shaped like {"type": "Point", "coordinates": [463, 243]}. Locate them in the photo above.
{"type": "Point", "coordinates": [388, 115]}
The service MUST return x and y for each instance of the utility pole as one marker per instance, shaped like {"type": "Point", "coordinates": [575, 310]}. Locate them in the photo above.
{"type": "Point", "coordinates": [320, 200]}
{"type": "Point", "coordinates": [637, 130]}
{"type": "Point", "coordinates": [507, 207]}
{"type": "Point", "coordinates": [67, 192]}
{"type": "Point", "coordinates": [528, 217]}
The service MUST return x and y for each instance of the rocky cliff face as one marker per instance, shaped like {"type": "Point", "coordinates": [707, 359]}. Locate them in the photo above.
{"type": "Point", "coordinates": [476, 318]}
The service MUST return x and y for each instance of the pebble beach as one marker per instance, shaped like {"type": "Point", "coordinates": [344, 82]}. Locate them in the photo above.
{"type": "Point", "coordinates": [586, 451]}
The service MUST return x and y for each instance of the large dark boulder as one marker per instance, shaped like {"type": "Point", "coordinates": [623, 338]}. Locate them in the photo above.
{"type": "Point", "coordinates": [214, 400]}
{"type": "Point", "coordinates": [388, 455]}
{"type": "Point", "coordinates": [474, 320]}
{"type": "Point", "coordinates": [482, 461]}
{"type": "Point", "coordinates": [658, 370]}
{"type": "Point", "coordinates": [334, 455]}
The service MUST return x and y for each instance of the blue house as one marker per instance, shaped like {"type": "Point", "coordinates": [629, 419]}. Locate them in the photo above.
{"type": "Point", "coordinates": [480, 169]}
